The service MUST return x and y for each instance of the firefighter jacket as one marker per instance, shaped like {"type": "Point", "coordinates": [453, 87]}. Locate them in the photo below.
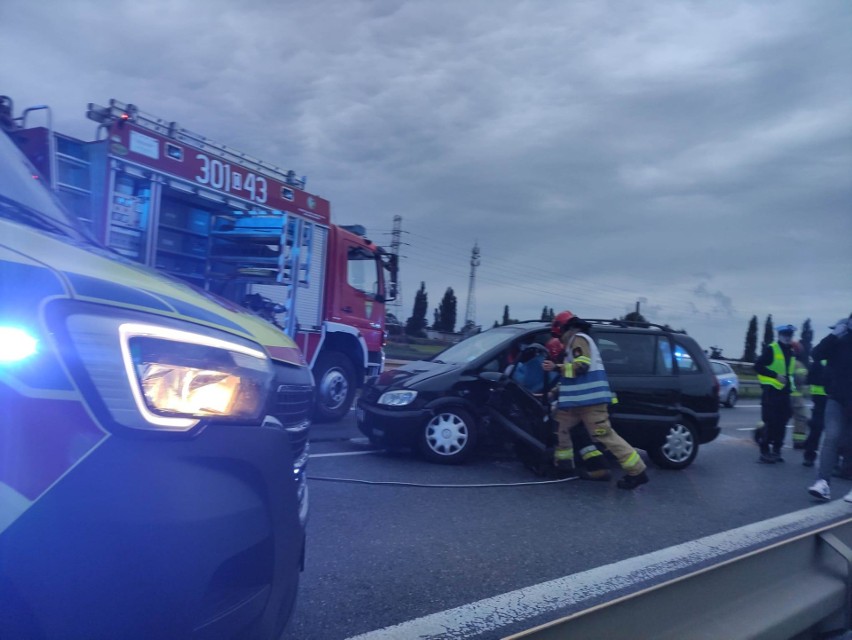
{"type": "Point", "coordinates": [776, 360]}
{"type": "Point", "coordinates": [590, 388]}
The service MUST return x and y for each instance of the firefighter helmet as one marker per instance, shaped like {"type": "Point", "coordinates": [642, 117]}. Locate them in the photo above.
{"type": "Point", "coordinates": [555, 349]}
{"type": "Point", "coordinates": [557, 327]}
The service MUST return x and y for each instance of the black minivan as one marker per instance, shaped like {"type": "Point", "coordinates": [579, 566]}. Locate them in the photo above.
{"type": "Point", "coordinates": [667, 394]}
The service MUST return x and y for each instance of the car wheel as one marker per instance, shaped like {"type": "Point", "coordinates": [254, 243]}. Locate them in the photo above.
{"type": "Point", "coordinates": [335, 386]}
{"type": "Point", "coordinates": [732, 398]}
{"type": "Point", "coordinates": [449, 436]}
{"type": "Point", "coordinates": [679, 447]}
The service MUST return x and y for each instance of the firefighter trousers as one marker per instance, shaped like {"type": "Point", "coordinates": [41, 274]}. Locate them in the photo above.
{"type": "Point", "coordinates": [801, 417]}
{"type": "Point", "coordinates": [595, 419]}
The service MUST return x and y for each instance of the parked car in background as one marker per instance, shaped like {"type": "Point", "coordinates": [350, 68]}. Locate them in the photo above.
{"type": "Point", "coordinates": [729, 382]}
{"type": "Point", "coordinates": [667, 393]}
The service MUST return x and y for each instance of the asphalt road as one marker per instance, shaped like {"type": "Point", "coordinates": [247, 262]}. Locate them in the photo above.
{"type": "Point", "coordinates": [379, 555]}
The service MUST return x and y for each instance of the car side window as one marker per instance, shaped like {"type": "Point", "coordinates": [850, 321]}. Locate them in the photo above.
{"type": "Point", "coordinates": [665, 367]}
{"type": "Point", "coordinates": [719, 369]}
{"type": "Point", "coordinates": [685, 362]}
{"type": "Point", "coordinates": [628, 354]}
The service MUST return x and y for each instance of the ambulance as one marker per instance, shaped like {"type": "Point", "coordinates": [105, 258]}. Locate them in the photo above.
{"type": "Point", "coordinates": [153, 442]}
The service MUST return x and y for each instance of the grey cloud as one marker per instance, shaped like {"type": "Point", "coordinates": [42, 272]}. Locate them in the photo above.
{"type": "Point", "coordinates": [601, 153]}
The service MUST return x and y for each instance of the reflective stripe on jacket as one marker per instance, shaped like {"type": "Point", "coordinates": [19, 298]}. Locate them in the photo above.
{"type": "Point", "coordinates": [778, 368]}
{"type": "Point", "coordinates": [590, 388]}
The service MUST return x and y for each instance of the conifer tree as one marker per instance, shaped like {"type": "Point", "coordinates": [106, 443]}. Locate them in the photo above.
{"type": "Point", "coordinates": [768, 331]}
{"type": "Point", "coordinates": [750, 352]}
{"type": "Point", "coordinates": [416, 324]}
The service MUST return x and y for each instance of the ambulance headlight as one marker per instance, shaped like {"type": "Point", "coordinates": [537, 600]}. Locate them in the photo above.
{"type": "Point", "coordinates": [163, 374]}
{"type": "Point", "coordinates": [397, 398]}
{"type": "Point", "coordinates": [178, 376]}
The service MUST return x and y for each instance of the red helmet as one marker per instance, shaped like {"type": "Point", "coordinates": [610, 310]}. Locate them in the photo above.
{"type": "Point", "coordinates": [555, 349]}
{"type": "Point", "coordinates": [557, 327]}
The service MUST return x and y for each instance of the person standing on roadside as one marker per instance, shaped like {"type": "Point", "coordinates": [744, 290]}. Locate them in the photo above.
{"type": "Point", "coordinates": [800, 397]}
{"type": "Point", "coordinates": [584, 396]}
{"type": "Point", "coordinates": [776, 368]}
{"type": "Point", "coordinates": [836, 350]}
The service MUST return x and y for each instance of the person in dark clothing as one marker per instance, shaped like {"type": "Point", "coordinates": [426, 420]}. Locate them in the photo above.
{"type": "Point", "coordinates": [836, 350]}
{"type": "Point", "coordinates": [816, 381]}
{"type": "Point", "coordinates": [776, 368]}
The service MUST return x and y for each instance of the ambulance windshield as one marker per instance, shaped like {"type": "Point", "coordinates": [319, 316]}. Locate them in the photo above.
{"type": "Point", "coordinates": [24, 198]}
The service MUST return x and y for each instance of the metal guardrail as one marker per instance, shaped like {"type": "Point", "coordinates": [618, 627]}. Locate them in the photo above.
{"type": "Point", "coordinates": [788, 577]}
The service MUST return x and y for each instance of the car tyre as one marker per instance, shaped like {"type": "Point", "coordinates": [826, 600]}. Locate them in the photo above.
{"type": "Point", "coordinates": [448, 436]}
{"type": "Point", "coordinates": [678, 448]}
{"type": "Point", "coordinates": [335, 381]}
{"type": "Point", "coordinates": [731, 400]}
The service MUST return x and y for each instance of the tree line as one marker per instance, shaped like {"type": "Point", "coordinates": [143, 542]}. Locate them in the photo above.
{"type": "Point", "coordinates": [445, 315]}
{"type": "Point", "coordinates": [445, 318]}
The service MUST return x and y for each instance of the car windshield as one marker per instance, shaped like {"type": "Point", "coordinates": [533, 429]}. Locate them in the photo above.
{"type": "Point", "coordinates": [470, 349]}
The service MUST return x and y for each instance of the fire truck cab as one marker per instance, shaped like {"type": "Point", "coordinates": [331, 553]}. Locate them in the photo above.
{"type": "Point", "coordinates": [229, 224]}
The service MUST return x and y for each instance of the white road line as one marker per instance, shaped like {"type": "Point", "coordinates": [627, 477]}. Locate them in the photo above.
{"type": "Point", "coordinates": [342, 453]}
{"type": "Point", "coordinates": [573, 592]}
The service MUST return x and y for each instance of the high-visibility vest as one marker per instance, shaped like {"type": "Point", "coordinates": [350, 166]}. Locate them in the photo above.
{"type": "Point", "coordinates": [818, 389]}
{"type": "Point", "coordinates": [777, 366]}
{"type": "Point", "coordinates": [588, 389]}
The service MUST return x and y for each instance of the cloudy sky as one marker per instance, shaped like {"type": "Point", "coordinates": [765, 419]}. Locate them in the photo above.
{"type": "Point", "coordinates": [695, 157]}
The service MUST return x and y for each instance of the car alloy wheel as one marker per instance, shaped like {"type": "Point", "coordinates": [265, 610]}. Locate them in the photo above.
{"type": "Point", "coordinates": [679, 447]}
{"type": "Point", "coordinates": [448, 436]}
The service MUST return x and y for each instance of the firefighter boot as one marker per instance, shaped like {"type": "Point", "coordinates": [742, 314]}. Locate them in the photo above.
{"type": "Point", "coordinates": [631, 482]}
{"type": "Point", "coordinates": [590, 461]}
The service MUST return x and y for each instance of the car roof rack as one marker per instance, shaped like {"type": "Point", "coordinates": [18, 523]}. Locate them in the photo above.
{"type": "Point", "coordinates": [634, 324]}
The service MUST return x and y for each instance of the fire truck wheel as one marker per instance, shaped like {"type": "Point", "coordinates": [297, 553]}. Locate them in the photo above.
{"type": "Point", "coordinates": [449, 436]}
{"type": "Point", "coordinates": [335, 383]}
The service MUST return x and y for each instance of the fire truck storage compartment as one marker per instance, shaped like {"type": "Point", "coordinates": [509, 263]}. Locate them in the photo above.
{"type": "Point", "coordinates": [183, 235]}
{"type": "Point", "coordinates": [309, 298]}
{"type": "Point", "coordinates": [247, 247]}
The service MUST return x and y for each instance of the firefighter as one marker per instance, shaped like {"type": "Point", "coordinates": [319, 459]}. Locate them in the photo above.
{"type": "Point", "coordinates": [584, 394]}
{"type": "Point", "coordinates": [587, 457]}
{"type": "Point", "coordinates": [800, 397]}
{"type": "Point", "coordinates": [816, 380]}
{"type": "Point", "coordinates": [776, 368]}
{"type": "Point", "coordinates": [836, 350]}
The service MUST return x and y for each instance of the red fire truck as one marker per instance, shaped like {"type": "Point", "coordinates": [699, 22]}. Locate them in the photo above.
{"type": "Point", "coordinates": [230, 224]}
